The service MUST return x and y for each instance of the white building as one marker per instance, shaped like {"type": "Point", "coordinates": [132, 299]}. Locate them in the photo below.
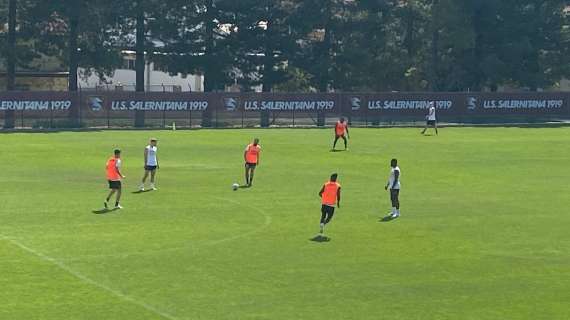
{"type": "Point", "coordinates": [156, 79]}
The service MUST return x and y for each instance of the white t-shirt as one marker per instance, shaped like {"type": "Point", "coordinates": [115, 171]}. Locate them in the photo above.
{"type": "Point", "coordinates": [393, 177]}
{"type": "Point", "coordinates": [151, 155]}
{"type": "Point", "coordinates": [431, 115]}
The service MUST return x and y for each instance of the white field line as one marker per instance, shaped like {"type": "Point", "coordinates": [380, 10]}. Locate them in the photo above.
{"type": "Point", "coordinates": [88, 280]}
{"type": "Point", "coordinates": [58, 263]}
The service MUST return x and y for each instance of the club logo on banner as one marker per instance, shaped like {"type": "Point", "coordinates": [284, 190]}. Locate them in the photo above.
{"type": "Point", "coordinates": [95, 103]}
{"type": "Point", "coordinates": [471, 103]}
{"type": "Point", "coordinates": [231, 103]}
{"type": "Point", "coordinates": [355, 103]}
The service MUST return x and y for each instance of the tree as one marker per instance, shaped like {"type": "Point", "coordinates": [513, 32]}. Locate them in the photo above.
{"type": "Point", "coordinates": [140, 49]}
{"type": "Point", "coordinates": [79, 33]}
{"type": "Point", "coordinates": [339, 41]}
{"type": "Point", "coordinates": [133, 31]}
{"type": "Point", "coordinates": [382, 47]}
{"type": "Point", "coordinates": [264, 41]}
{"type": "Point", "coordinates": [194, 37]}
{"type": "Point", "coordinates": [10, 52]}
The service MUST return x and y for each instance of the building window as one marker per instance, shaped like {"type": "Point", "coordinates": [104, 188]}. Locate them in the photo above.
{"type": "Point", "coordinates": [129, 64]}
{"type": "Point", "coordinates": [158, 66]}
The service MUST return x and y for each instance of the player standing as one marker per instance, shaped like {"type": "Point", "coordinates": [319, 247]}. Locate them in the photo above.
{"type": "Point", "coordinates": [431, 119]}
{"type": "Point", "coordinates": [114, 177]}
{"type": "Point", "coordinates": [394, 186]}
{"type": "Point", "coordinates": [341, 131]}
{"type": "Point", "coordinates": [150, 164]}
{"type": "Point", "coordinates": [330, 196]}
{"type": "Point", "coordinates": [251, 155]}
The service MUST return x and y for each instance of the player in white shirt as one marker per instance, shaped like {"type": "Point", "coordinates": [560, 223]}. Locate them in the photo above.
{"type": "Point", "coordinates": [150, 164]}
{"type": "Point", "coordinates": [431, 119]}
{"type": "Point", "coordinates": [394, 186]}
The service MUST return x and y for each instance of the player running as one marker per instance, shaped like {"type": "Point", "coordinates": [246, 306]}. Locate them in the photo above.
{"type": "Point", "coordinates": [251, 156]}
{"type": "Point", "coordinates": [394, 186]}
{"type": "Point", "coordinates": [341, 131]}
{"type": "Point", "coordinates": [150, 164]}
{"type": "Point", "coordinates": [431, 119]}
{"type": "Point", "coordinates": [114, 176]}
{"type": "Point", "coordinates": [330, 196]}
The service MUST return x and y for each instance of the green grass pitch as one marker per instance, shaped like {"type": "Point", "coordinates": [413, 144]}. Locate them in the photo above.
{"type": "Point", "coordinates": [484, 232]}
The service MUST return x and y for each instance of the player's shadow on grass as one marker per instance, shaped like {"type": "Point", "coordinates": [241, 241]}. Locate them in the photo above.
{"type": "Point", "coordinates": [320, 238]}
{"type": "Point", "coordinates": [103, 211]}
{"type": "Point", "coordinates": [387, 218]}
{"type": "Point", "coordinates": [337, 150]}
{"type": "Point", "coordinates": [141, 191]}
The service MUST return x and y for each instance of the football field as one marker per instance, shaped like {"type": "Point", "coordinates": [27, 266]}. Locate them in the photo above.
{"type": "Point", "coordinates": [484, 231]}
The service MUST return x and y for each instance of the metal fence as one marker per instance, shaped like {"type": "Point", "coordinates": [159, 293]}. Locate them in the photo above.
{"type": "Point", "coordinates": [112, 109]}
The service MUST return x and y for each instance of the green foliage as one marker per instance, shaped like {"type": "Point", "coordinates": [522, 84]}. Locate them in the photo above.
{"type": "Point", "coordinates": [341, 45]}
{"type": "Point", "coordinates": [24, 44]}
{"type": "Point", "coordinates": [47, 26]}
{"type": "Point", "coordinates": [196, 35]}
{"type": "Point", "coordinates": [297, 81]}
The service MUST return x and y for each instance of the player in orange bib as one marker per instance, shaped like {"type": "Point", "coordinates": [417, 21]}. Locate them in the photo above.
{"type": "Point", "coordinates": [330, 196]}
{"type": "Point", "coordinates": [114, 176]}
{"type": "Point", "coordinates": [341, 131]}
{"type": "Point", "coordinates": [251, 156]}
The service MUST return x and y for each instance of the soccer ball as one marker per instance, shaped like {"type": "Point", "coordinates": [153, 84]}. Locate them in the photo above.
{"type": "Point", "coordinates": [235, 186]}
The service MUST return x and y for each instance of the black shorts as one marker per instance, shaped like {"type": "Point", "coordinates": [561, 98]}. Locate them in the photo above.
{"type": "Point", "coordinates": [115, 185]}
{"type": "Point", "coordinates": [150, 168]}
{"type": "Point", "coordinates": [431, 122]}
{"type": "Point", "coordinates": [327, 209]}
{"type": "Point", "coordinates": [394, 195]}
{"type": "Point", "coordinates": [250, 165]}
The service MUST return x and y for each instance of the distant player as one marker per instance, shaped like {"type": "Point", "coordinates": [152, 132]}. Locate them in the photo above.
{"type": "Point", "coordinates": [330, 196]}
{"type": "Point", "coordinates": [150, 164]}
{"type": "Point", "coordinates": [431, 119]}
{"type": "Point", "coordinates": [251, 155]}
{"type": "Point", "coordinates": [394, 186]}
{"type": "Point", "coordinates": [114, 177]}
{"type": "Point", "coordinates": [341, 131]}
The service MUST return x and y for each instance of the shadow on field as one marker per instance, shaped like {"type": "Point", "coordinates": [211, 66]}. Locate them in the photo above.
{"type": "Point", "coordinates": [320, 238]}
{"type": "Point", "coordinates": [103, 211]}
{"type": "Point", "coordinates": [244, 186]}
{"type": "Point", "coordinates": [142, 191]}
{"type": "Point", "coordinates": [339, 150]}
{"type": "Point", "coordinates": [387, 218]}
